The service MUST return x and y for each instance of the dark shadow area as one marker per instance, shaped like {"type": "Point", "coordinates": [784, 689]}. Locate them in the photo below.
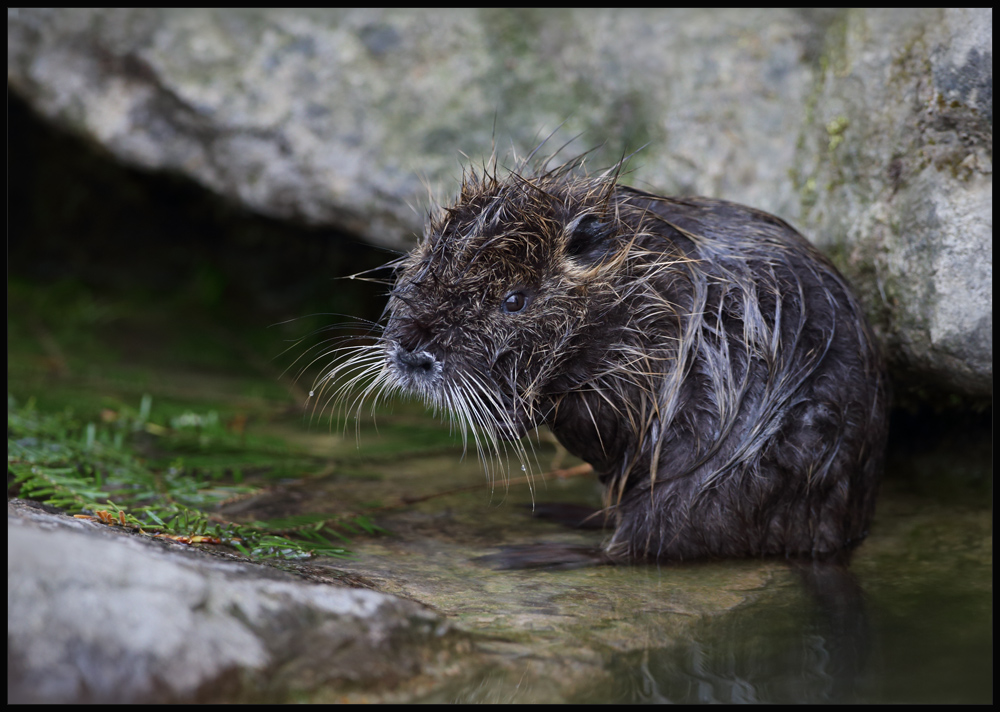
{"type": "Point", "coordinates": [77, 216]}
{"type": "Point", "coordinates": [926, 441]}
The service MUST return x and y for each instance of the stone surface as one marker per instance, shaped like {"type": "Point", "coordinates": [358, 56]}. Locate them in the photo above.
{"type": "Point", "coordinates": [97, 616]}
{"type": "Point", "coordinates": [897, 181]}
{"type": "Point", "coordinates": [869, 130]}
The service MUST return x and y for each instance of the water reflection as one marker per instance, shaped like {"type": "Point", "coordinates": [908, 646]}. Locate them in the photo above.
{"type": "Point", "coordinates": [813, 649]}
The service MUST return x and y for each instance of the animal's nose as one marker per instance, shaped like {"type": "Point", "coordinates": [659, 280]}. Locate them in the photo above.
{"type": "Point", "coordinates": [418, 362]}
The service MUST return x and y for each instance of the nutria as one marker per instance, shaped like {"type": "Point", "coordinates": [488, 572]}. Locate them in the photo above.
{"type": "Point", "coordinates": [711, 365]}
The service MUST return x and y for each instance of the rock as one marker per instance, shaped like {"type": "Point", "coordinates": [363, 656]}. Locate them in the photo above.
{"type": "Point", "coordinates": [897, 183]}
{"type": "Point", "coordinates": [870, 130]}
{"type": "Point", "coordinates": [98, 616]}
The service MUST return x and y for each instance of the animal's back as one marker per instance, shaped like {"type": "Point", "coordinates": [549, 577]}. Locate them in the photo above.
{"type": "Point", "coordinates": [766, 423]}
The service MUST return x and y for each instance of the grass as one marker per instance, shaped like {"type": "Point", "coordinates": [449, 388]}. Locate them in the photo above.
{"type": "Point", "coordinates": [93, 467]}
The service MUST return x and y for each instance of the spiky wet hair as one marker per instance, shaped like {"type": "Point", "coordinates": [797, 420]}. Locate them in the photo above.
{"type": "Point", "coordinates": [691, 350]}
{"type": "Point", "coordinates": [564, 240]}
{"type": "Point", "coordinates": [568, 250]}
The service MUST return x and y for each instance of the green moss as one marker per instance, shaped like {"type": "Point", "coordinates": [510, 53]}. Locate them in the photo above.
{"type": "Point", "coordinates": [93, 467]}
{"type": "Point", "coordinates": [835, 129]}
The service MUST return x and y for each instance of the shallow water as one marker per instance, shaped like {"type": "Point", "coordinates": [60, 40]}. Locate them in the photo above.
{"type": "Point", "coordinates": [918, 628]}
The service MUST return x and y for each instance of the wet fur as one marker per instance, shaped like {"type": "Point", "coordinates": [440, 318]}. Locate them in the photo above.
{"type": "Point", "coordinates": [712, 366]}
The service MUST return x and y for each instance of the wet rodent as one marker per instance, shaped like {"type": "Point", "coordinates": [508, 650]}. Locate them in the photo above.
{"type": "Point", "coordinates": [710, 364]}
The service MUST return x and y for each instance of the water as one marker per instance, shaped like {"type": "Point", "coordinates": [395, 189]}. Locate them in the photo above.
{"type": "Point", "coordinates": [911, 622]}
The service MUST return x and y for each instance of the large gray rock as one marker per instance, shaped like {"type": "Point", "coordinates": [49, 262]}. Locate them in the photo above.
{"type": "Point", "coordinates": [95, 616]}
{"type": "Point", "coordinates": [871, 130]}
{"type": "Point", "coordinates": [897, 182]}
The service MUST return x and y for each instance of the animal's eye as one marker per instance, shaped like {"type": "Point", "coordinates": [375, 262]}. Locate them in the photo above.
{"type": "Point", "coordinates": [515, 301]}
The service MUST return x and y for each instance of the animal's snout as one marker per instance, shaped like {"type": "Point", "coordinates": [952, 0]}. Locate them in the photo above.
{"type": "Point", "coordinates": [416, 361]}
{"type": "Point", "coordinates": [417, 370]}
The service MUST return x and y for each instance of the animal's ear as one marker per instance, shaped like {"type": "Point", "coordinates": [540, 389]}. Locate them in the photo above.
{"type": "Point", "coordinates": [588, 239]}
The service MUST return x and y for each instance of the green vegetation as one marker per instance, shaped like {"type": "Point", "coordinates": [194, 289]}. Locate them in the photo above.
{"type": "Point", "coordinates": [161, 344]}
{"type": "Point", "coordinates": [93, 467]}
